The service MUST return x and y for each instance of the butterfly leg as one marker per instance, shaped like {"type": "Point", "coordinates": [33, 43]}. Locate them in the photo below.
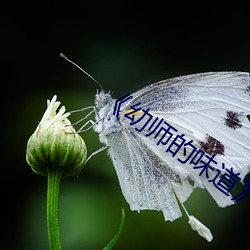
{"type": "Point", "coordinates": [92, 154]}
{"type": "Point", "coordinates": [83, 109]}
{"type": "Point", "coordinates": [81, 129]}
{"type": "Point", "coordinates": [95, 152]}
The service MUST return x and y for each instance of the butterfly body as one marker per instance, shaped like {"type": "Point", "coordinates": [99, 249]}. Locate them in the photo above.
{"type": "Point", "coordinates": [109, 124]}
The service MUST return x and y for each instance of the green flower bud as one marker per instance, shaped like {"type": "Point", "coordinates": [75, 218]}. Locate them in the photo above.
{"type": "Point", "coordinates": [55, 143]}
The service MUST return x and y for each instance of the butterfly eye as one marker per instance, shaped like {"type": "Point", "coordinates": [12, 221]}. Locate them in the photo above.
{"type": "Point", "coordinates": [102, 99]}
{"type": "Point", "coordinates": [106, 99]}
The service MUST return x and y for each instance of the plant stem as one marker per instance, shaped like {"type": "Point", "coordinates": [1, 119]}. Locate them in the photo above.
{"type": "Point", "coordinates": [117, 234]}
{"type": "Point", "coordinates": [54, 177]}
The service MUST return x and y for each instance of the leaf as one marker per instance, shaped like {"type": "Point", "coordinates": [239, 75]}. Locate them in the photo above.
{"type": "Point", "coordinates": [117, 234]}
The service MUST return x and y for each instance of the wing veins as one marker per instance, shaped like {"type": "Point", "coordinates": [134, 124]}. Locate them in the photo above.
{"type": "Point", "coordinates": [144, 184]}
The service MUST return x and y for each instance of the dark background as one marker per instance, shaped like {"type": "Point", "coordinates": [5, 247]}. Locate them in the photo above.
{"type": "Point", "coordinates": [125, 45]}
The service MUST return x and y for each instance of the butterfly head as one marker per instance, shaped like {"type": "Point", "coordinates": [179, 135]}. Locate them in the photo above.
{"type": "Point", "coordinates": [102, 99]}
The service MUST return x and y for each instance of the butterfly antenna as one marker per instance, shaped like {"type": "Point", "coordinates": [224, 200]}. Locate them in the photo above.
{"type": "Point", "coordinates": [90, 76]}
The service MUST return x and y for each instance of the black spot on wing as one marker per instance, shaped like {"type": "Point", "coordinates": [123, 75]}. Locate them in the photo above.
{"type": "Point", "coordinates": [191, 181]}
{"type": "Point", "coordinates": [212, 146]}
{"type": "Point", "coordinates": [248, 117]}
{"type": "Point", "coordinates": [233, 119]}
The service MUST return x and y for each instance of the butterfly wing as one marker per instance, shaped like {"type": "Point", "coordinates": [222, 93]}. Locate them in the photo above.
{"type": "Point", "coordinates": [211, 109]}
{"type": "Point", "coordinates": [142, 183]}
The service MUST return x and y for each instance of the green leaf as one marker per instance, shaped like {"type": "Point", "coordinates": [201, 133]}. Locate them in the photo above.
{"type": "Point", "coordinates": [117, 234]}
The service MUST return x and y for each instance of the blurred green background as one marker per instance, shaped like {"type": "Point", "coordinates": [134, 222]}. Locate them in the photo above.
{"type": "Point", "coordinates": [125, 45]}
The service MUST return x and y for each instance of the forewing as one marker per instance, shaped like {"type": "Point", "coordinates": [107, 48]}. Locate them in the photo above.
{"type": "Point", "coordinates": [210, 108]}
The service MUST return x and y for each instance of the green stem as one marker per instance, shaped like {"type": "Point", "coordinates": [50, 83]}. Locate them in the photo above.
{"type": "Point", "coordinates": [54, 177]}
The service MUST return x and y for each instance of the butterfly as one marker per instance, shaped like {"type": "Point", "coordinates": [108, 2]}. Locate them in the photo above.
{"type": "Point", "coordinates": [210, 109]}
{"type": "Point", "coordinates": [208, 115]}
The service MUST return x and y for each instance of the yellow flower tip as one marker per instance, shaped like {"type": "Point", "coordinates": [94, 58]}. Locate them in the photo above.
{"type": "Point", "coordinates": [202, 230]}
{"type": "Point", "coordinates": [55, 143]}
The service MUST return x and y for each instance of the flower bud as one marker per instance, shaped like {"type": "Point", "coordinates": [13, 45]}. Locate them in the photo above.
{"type": "Point", "coordinates": [55, 144]}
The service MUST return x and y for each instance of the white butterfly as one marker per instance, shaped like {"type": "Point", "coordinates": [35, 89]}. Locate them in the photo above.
{"type": "Point", "coordinates": [208, 110]}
